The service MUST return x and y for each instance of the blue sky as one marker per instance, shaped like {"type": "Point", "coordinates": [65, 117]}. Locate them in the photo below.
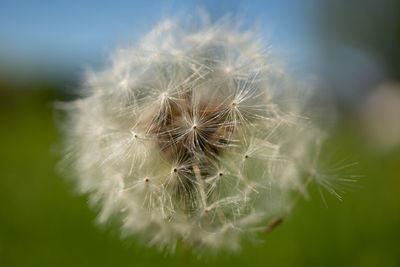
{"type": "Point", "coordinates": [61, 34]}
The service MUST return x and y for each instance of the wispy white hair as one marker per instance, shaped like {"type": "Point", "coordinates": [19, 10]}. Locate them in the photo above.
{"type": "Point", "coordinates": [194, 134]}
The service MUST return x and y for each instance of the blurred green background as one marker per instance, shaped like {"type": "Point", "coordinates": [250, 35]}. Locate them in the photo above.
{"type": "Point", "coordinates": [352, 46]}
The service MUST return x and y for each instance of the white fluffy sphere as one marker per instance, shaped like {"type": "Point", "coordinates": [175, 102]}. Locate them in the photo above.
{"type": "Point", "coordinates": [194, 134]}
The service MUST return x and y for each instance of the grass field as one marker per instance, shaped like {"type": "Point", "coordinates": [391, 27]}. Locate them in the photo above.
{"type": "Point", "coordinates": [44, 223]}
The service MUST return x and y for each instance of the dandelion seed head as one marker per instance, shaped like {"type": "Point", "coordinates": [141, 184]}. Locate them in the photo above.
{"type": "Point", "coordinates": [189, 136]}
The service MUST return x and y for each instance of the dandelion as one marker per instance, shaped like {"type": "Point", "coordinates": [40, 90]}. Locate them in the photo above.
{"type": "Point", "coordinates": [190, 136]}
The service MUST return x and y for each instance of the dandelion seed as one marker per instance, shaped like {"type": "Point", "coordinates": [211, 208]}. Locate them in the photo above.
{"type": "Point", "coordinates": [188, 136]}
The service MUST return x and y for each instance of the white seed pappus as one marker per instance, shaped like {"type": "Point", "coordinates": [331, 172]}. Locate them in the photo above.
{"type": "Point", "coordinates": [193, 134]}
